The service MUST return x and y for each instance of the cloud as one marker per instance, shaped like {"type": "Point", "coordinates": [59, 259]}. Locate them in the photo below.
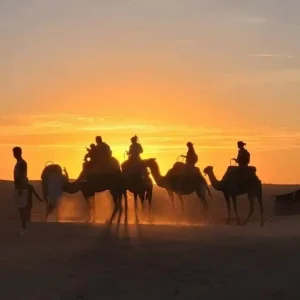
{"type": "Point", "coordinates": [281, 76]}
{"type": "Point", "coordinates": [46, 119]}
{"type": "Point", "coordinates": [270, 55]}
{"type": "Point", "coordinates": [67, 132]}
{"type": "Point", "coordinates": [255, 20]}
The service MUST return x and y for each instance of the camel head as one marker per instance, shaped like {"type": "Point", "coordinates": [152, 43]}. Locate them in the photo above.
{"type": "Point", "coordinates": [208, 170]}
{"type": "Point", "coordinates": [151, 163]}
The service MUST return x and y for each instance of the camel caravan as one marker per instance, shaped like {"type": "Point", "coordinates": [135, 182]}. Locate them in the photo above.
{"type": "Point", "coordinates": [102, 172]}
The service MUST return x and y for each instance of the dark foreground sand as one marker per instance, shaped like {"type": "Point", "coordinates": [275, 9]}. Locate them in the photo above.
{"type": "Point", "coordinates": [77, 261]}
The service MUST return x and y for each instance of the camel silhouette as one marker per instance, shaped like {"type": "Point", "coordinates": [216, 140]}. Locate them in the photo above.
{"type": "Point", "coordinates": [179, 184]}
{"type": "Point", "coordinates": [89, 183]}
{"type": "Point", "coordinates": [139, 184]}
{"type": "Point", "coordinates": [228, 185]}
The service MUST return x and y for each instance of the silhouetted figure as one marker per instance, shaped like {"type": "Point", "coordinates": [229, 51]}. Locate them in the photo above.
{"type": "Point", "coordinates": [191, 158]}
{"type": "Point", "coordinates": [135, 149]}
{"type": "Point", "coordinates": [91, 152]}
{"type": "Point", "coordinates": [21, 192]}
{"type": "Point", "coordinates": [54, 180]}
{"type": "Point", "coordinates": [243, 158]}
{"type": "Point", "coordinates": [102, 150]}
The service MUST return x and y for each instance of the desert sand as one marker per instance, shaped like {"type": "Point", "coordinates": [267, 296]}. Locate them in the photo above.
{"type": "Point", "coordinates": [188, 260]}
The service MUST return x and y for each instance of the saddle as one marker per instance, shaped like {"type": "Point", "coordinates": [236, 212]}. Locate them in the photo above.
{"type": "Point", "coordinates": [241, 174]}
{"type": "Point", "coordinates": [134, 167]}
{"type": "Point", "coordinates": [102, 167]}
{"type": "Point", "coordinates": [180, 169]}
{"type": "Point", "coordinates": [51, 173]}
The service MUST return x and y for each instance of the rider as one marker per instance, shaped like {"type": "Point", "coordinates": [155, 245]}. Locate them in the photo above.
{"type": "Point", "coordinates": [102, 150]}
{"type": "Point", "coordinates": [101, 154]}
{"type": "Point", "coordinates": [243, 160]}
{"type": "Point", "coordinates": [191, 158]}
{"type": "Point", "coordinates": [91, 153]}
{"type": "Point", "coordinates": [135, 149]}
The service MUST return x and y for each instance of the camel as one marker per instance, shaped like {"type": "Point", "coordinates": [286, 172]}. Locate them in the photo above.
{"type": "Point", "coordinates": [230, 189]}
{"type": "Point", "coordinates": [181, 186]}
{"type": "Point", "coordinates": [89, 186]}
{"type": "Point", "coordinates": [106, 182]}
{"type": "Point", "coordinates": [140, 186]}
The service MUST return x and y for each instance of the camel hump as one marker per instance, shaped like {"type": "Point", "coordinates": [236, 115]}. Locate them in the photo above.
{"type": "Point", "coordinates": [181, 169]}
{"type": "Point", "coordinates": [111, 165]}
{"type": "Point", "coordinates": [135, 167]}
{"type": "Point", "coordinates": [114, 162]}
{"type": "Point", "coordinates": [235, 168]}
{"type": "Point", "coordinates": [50, 170]}
{"type": "Point", "coordinates": [124, 164]}
{"type": "Point", "coordinates": [179, 165]}
{"type": "Point", "coordinates": [252, 168]}
{"type": "Point", "coordinates": [240, 173]}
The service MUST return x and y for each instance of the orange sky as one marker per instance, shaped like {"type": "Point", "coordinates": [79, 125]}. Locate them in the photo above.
{"type": "Point", "coordinates": [211, 74]}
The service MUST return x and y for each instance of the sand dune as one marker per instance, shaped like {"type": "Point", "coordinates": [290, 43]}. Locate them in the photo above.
{"type": "Point", "coordinates": [212, 261]}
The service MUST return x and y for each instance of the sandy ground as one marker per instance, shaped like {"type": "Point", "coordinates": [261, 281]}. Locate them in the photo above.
{"type": "Point", "coordinates": [78, 261]}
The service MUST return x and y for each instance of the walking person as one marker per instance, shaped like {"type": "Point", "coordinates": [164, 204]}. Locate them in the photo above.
{"type": "Point", "coordinates": [21, 187]}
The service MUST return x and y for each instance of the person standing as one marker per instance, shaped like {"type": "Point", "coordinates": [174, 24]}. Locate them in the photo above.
{"type": "Point", "coordinates": [21, 186]}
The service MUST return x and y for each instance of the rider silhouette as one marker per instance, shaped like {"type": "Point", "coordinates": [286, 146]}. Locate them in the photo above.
{"type": "Point", "coordinates": [135, 163]}
{"type": "Point", "coordinates": [102, 149]}
{"type": "Point", "coordinates": [135, 149]}
{"type": "Point", "coordinates": [191, 158]}
{"type": "Point", "coordinates": [91, 153]}
{"type": "Point", "coordinates": [243, 158]}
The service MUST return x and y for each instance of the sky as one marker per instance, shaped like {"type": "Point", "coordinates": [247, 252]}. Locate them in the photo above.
{"type": "Point", "coordinates": [171, 71]}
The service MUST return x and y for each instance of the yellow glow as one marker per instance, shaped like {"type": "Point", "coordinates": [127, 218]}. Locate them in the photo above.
{"type": "Point", "coordinates": [63, 138]}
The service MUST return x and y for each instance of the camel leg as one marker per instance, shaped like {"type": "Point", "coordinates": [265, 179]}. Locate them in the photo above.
{"type": "Point", "coordinates": [49, 210]}
{"type": "Point", "coordinates": [180, 197]}
{"type": "Point", "coordinates": [171, 195]}
{"type": "Point", "coordinates": [149, 198]}
{"type": "Point", "coordinates": [251, 210]}
{"type": "Point", "coordinates": [261, 206]}
{"type": "Point", "coordinates": [227, 198]}
{"type": "Point", "coordinates": [235, 210]}
{"type": "Point", "coordinates": [119, 201]}
{"type": "Point", "coordinates": [135, 196]}
{"type": "Point", "coordinates": [115, 211]}
{"type": "Point", "coordinates": [142, 198]}
{"type": "Point", "coordinates": [126, 208]}
{"type": "Point", "coordinates": [202, 197]}
{"type": "Point", "coordinates": [91, 207]}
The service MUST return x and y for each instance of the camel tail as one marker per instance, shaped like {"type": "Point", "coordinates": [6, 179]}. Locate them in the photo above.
{"type": "Point", "coordinates": [261, 204]}
{"type": "Point", "coordinates": [34, 192]}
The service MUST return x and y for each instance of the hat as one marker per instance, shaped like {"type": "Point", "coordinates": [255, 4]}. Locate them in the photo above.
{"type": "Point", "coordinates": [189, 144]}
{"type": "Point", "coordinates": [241, 143]}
